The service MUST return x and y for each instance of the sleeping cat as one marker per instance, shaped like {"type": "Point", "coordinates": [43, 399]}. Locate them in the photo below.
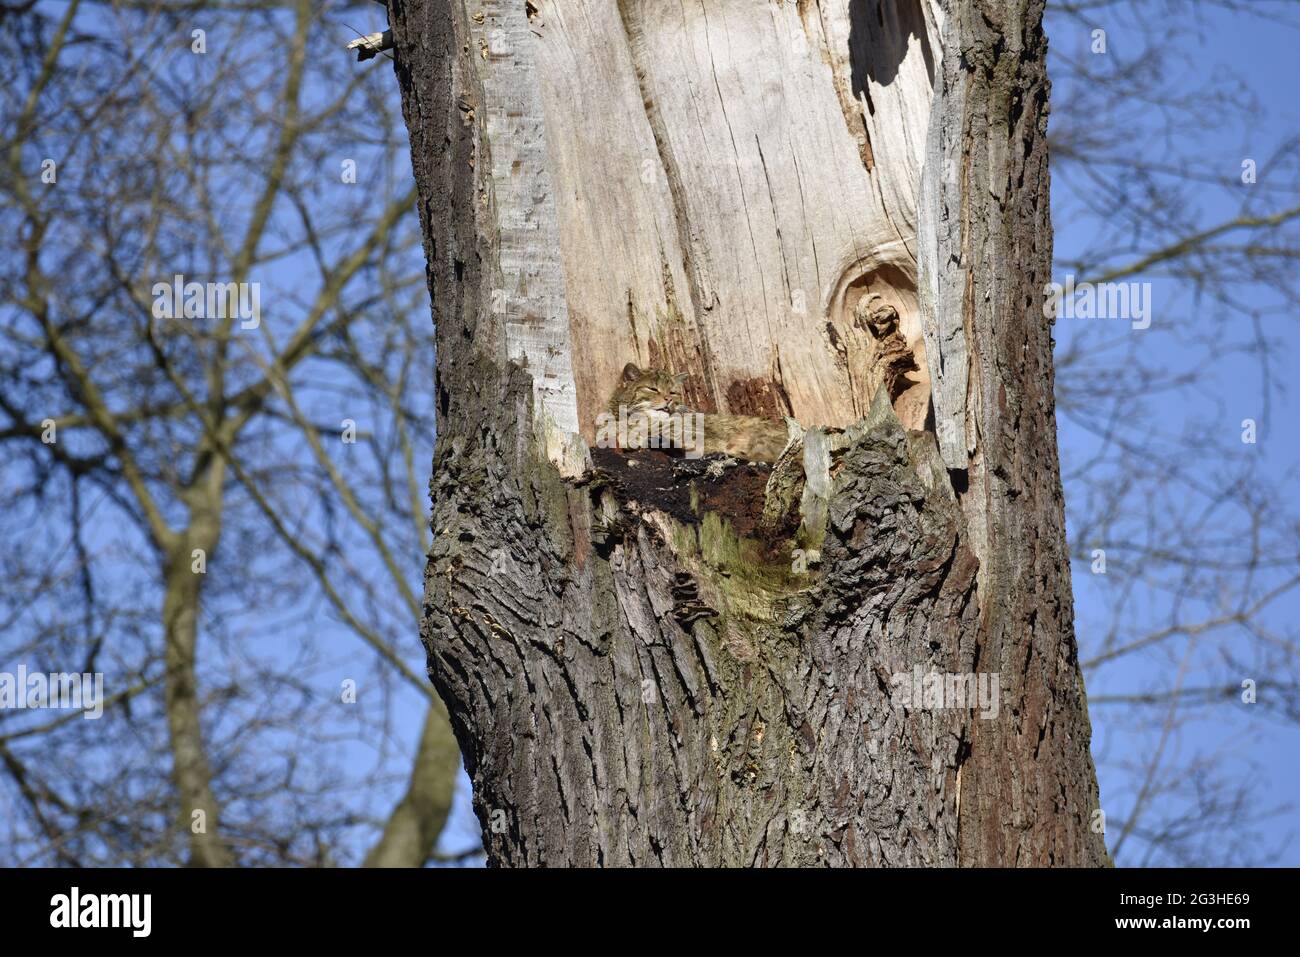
{"type": "Point", "coordinates": [657, 396]}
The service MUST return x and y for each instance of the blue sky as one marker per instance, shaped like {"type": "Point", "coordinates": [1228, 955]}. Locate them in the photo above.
{"type": "Point", "coordinates": [1245, 744]}
{"type": "Point", "coordinates": [1254, 749]}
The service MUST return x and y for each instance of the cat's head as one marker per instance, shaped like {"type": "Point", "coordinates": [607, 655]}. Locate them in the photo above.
{"type": "Point", "coordinates": [649, 390]}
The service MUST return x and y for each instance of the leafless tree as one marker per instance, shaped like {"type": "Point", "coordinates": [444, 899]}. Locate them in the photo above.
{"type": "Point", "coordinates": [224, 512]}
{"type": "Point", "coordinates": [1188, 514]}
{"type": "Point", "coordinates": [224, 689]}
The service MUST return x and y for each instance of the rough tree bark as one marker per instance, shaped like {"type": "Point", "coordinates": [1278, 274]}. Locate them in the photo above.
{"type": "Point", "coordinates": [835, 211]}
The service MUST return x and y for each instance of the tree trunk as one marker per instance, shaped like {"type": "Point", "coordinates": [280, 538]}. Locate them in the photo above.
{"type": "Point", "coordinates": [200, 812]}
{"type": "Point", "coordinates": [835, 212]}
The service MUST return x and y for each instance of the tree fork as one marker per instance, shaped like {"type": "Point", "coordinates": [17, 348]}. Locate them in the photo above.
{"type": "Point", "coordinates": [649, 660]}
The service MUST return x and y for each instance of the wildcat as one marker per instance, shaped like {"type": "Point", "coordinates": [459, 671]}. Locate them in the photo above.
{"type": "Point", "coordinates": [657, 395]}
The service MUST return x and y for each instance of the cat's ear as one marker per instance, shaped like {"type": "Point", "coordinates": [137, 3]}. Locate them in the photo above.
{"type": "Point", "coordinates": [680, 378]}
{"type": "Point", "coordinates": [630, 372]}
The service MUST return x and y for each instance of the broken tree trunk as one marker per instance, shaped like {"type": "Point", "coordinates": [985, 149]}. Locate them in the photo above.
{"type": "Point", "coordinates": [835, 212]}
